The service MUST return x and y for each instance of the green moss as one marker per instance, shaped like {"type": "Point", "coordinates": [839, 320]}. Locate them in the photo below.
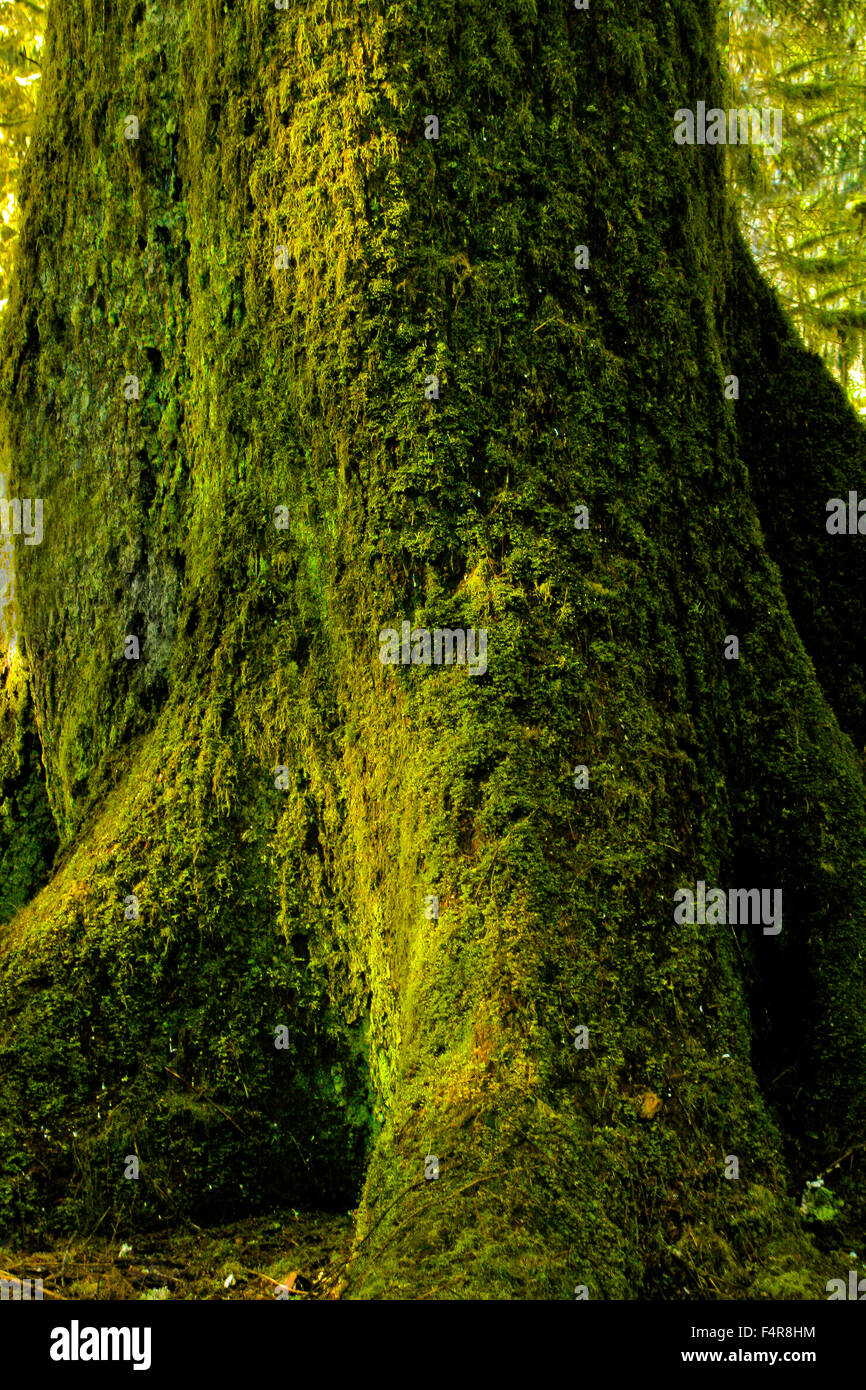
{"type": "Point", "coordinates": [303, 904]}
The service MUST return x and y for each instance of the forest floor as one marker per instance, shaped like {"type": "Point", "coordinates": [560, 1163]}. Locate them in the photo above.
{"type": "Point", "coordinates": [305, 1252]}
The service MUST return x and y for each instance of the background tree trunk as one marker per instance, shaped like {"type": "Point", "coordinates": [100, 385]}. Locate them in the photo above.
{"type": "Point", "coordinates": [283, 259]}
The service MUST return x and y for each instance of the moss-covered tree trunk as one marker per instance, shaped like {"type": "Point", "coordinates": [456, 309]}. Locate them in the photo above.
{"type": "Point", "coordinates": [288, 371]}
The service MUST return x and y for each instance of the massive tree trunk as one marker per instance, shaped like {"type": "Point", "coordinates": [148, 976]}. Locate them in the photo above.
{"type": "Point", "coordinates": [256, 813]}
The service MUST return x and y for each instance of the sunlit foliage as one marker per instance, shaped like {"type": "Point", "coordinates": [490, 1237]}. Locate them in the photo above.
{"type": "Point", "coordinates": [21, 29]}
{"type": "Point", "coordinates": [805, 208]}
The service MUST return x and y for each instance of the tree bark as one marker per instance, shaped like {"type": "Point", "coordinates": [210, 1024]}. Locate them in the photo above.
{"type": "Point", "coordinates": [256, 813]}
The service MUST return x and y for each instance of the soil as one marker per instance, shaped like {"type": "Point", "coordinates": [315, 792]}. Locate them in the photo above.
{"type": "Point", "coordinates": [305, 1252]}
